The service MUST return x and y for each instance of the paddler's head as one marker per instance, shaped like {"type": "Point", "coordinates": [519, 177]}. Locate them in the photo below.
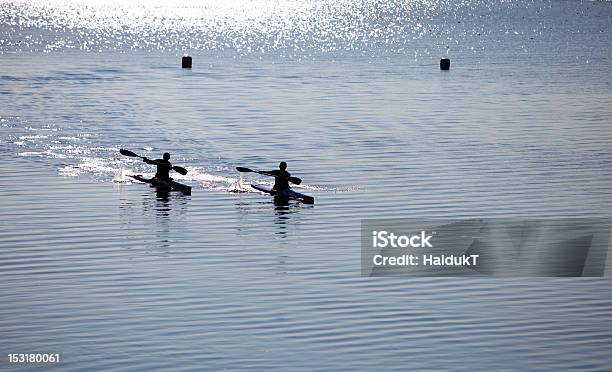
{"type": "Point", "coordinates": [282, 166]}
{"type": "Point", "coordinates": [166, 156]}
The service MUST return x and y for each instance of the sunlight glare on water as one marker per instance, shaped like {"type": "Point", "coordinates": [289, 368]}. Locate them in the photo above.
{"type": "Point", "coordinates": [294, 28]}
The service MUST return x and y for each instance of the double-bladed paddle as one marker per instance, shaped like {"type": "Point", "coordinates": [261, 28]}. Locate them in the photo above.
{"type": "Point", "coordinates": [294, 180]}
{"type": "Point", "coordinates": [178, 169]}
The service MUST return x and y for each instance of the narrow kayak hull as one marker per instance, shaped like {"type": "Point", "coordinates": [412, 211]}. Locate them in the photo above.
{"type": "Point", "coordinates": [286, 195]}
{"type": "Point", "coordinates": [164, 185]}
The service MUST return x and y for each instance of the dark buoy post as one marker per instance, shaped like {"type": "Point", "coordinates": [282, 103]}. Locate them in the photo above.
{"type": "Point", "coordinates": [186, 62]}
{"type": "Point", "coordinates": [445, 64]}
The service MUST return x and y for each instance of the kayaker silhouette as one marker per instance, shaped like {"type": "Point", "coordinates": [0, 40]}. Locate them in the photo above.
{"type": "Point", "coordinates": [163, 167]}
{"type": "Point", "coordinates": [281, 177]}
{"type": "Point", "coordinates": [281, 189]}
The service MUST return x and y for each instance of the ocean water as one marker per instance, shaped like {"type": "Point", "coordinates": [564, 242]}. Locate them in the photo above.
{"type": "Point", "coordinates": [351, 96]}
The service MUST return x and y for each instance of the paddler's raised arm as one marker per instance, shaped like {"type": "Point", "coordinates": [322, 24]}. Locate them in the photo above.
{"type": "Point", "coordinates": [149, 161]}
{"type": "Point", "coordinates": [275, 173]}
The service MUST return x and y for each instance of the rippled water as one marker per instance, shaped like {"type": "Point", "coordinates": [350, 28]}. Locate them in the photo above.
{"type": "Point", "coordinates": [350, 95]}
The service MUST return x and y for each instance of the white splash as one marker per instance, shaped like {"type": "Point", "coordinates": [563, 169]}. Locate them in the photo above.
{"type": "Point", "coordinates": [121, 176]}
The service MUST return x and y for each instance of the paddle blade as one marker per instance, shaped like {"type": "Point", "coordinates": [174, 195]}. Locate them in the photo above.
{"type": "Point", "coordinates": [128, 153]}
{"type": "Point", "coordinates": [180, 170]}
{"type": "Point", "coordinates": [295, 180]}
{"type": "Point", "coordinates": [243, 169]}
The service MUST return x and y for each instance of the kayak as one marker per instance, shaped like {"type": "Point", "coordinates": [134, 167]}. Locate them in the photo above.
{"type": "Point", "coordinates": [285, 195]}
{"type": "Point", "coordinates": [164, 185]}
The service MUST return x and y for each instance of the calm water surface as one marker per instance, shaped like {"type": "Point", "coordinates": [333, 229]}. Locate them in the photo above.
{"type": "Point", "coordinates": [350, 95]}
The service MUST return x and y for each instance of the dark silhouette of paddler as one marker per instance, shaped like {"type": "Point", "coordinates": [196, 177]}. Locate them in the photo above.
{"type": "Point", "coordinates": [281, 177]}
{"type": "Point", "coordinates": [163, 167]}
